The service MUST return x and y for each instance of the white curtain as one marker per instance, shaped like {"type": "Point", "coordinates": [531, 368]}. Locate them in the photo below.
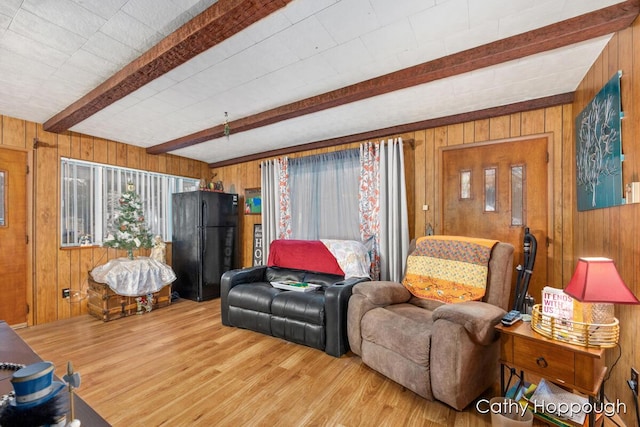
{"type": "Point", "coordinates": [324, 196]}
{"type": "Point", "coordinates": [394, 222]}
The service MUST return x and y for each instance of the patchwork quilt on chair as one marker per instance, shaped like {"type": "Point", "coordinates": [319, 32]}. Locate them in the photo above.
{"type": "Point", "coordinates": [449, 268]}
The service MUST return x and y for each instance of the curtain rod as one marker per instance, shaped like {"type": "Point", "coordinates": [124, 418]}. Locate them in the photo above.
{"type": "Point", "coordinates": [410, 141]}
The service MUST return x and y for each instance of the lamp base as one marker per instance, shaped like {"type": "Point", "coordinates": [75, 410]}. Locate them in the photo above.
{"type": "Point", "coordinates": [598, 313]}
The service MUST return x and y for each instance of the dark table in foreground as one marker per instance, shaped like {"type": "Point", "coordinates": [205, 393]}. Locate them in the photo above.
{"type": "Point", "coordinates": [14, 349]}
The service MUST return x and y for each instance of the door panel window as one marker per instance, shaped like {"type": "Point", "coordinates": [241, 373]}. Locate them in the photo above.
{"type": "Point", "coordinates": [517, 195]}
{"type": "Point", "coordinates": [465, 184]}
{"type": "Point", "coordinates": [490, 190]}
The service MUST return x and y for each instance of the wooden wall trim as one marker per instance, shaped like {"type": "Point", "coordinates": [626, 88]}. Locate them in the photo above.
{"type": "Point", "coordinates": [547, 135]}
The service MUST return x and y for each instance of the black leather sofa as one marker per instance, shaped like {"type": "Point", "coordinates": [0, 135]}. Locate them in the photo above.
{"type": "Point", "coordinates": [316, 319]}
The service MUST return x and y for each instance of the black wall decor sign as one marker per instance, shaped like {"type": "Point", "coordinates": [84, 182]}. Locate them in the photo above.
{"type": "Point", "coordinates": [257, 244]}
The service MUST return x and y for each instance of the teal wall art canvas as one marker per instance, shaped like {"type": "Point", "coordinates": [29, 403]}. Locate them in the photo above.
{"type": "Point", "coordinates": [599, 149]}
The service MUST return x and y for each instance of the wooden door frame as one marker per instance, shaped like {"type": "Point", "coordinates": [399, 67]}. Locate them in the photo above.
{"type": "Point", "coordinates": [550, 162]}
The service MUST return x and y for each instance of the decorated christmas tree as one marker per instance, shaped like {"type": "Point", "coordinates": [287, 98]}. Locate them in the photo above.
{"type": "Point", "coordinates": [129, 230]}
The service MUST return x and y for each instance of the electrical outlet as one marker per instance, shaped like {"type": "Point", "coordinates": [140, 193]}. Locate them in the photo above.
{"type": "Point", "coordinates": [66, 293]}
{"type": "Point", "coordinates": [633, 382]}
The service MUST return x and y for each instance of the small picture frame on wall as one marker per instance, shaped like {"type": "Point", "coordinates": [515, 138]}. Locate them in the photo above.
{"type": "Point", "coordinates": [253, 201]}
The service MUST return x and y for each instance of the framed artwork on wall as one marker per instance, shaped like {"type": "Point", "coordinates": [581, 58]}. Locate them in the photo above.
{"type": "Point", "coordinates": [253, 201]}
{"type": "Point", "coordinates": [599, 149]}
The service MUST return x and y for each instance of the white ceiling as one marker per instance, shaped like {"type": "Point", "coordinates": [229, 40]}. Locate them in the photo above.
{"type": "Point", "coordinates": [52, 52]}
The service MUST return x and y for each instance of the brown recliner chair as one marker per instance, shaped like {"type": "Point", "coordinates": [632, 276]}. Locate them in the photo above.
{"type": "Point", "coordinates": [447, 352]}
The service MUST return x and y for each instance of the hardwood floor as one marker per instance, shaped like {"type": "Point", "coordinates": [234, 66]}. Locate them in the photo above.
{"type": "Point", "coordinates": [179, 366]}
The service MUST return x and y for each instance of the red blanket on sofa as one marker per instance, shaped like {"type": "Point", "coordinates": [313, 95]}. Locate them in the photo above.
{"type": "Point", "coordinates": [311, 255]}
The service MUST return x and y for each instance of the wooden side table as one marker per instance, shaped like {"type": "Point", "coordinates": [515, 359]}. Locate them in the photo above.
{"type": "Point", "coordinates": [570, 366]}
{"type": "Point", "coordinates": [14, 349]}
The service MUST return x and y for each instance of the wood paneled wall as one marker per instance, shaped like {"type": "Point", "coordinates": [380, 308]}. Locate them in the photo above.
{"type": "Point", "coordinates": [51, 268]}
{"type": "Point", "coordinates": [613, 232]}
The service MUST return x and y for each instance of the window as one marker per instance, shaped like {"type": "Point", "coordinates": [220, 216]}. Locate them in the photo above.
{"type": "Point", "coordinates": [90, 194]}
{"type": "Point", "coordinates": [324, 195]}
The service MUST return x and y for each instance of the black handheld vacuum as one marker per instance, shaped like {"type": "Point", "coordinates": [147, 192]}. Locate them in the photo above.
{"type": "Point", "coordinates": [530, 245]}
{"type": "Point", "coordinates": [525, 270]}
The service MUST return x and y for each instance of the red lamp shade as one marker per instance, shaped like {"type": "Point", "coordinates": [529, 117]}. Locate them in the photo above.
{"type": "Point", "coordinates": [597, 280]}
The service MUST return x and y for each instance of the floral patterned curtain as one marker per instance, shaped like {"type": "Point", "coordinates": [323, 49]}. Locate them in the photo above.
{"type": "Point", "coordinates": [383, 208]}
{"type": "Point", "coordinates": [369, 201]}
{"type": "Point", "coordinates": [284, 222]}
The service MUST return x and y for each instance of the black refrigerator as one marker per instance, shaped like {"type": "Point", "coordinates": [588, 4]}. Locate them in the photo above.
{"type": "Point", "coordinates": [204, 242]}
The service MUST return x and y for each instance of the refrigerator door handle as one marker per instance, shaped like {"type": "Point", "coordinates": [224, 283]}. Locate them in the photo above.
{"type": "Point", "coordinates": [203, 238]}
{"type": "Point", "coordinates": [205, 213]}
{"type": "Point", "coordinates": [205, 223]}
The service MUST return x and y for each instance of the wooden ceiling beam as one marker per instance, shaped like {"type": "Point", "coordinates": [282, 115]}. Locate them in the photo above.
{"type": "Point", "coordinates": [503, 110]}
{"type": "Point", "coordinates": [216, 24]}
{"type": "Point", "coordinates": [581, 28]}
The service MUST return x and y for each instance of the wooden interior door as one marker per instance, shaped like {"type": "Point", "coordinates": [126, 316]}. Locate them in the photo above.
{"type": "Point", "coordinates": [494, 191]}
{"type": "Point", "coordinates": [13, 235]}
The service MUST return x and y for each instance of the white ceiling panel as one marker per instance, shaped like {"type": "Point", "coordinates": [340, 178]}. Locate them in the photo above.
{"type": "Point", "coordinates": [46, 32]}
{"type": "Point", "coordinates": [131, 32]}
{"type": "Point", "coordinates": [10, 7]}
{"type": "Point", "coordinates": [337, 19]}
{"type": "Point", "coordinates": [384, 41]}
{"type": "Point", "coordinates": [34, 50]}
{"type": "Point", "coordinates": [306, 38]}
{"type": "Point", "coordinates": [157, 14]}
{"type": "Point", "coordinates": [389, 12]}
{"type": "Point", "coordinates": [66, 14]}
{"type": "Point", "coordinates": [110, 49]}
{"type": "Point", "coordinates": [299, 10]}
{"type": "Point", "coordinates": [5, 20]}
{"type": "Point", "coordinates": [104, 8]}
{"type": "Point", "coordinates": [440, 21]}
{"type": "Point", "coordinates": [265, 28]}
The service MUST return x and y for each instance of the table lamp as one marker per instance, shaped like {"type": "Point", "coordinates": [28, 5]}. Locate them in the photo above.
{"type": "Point", "coordinates": [597, 281]}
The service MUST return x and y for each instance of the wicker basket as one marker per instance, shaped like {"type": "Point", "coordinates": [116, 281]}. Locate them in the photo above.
{"type": "Point", "coordinates": [578, 333]}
